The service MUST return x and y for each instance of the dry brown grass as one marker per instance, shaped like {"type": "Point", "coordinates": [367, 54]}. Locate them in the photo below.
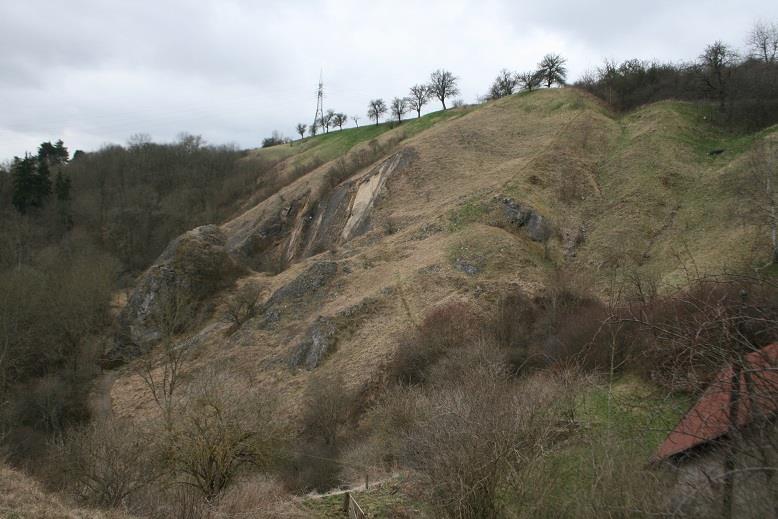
{"type": "Point", "coordinates": [557, 151]}
{"type": "Point", "coordinates": [22, 497]}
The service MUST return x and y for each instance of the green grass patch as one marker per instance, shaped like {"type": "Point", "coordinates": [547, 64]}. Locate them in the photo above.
{"type": "Point", "coordinates": [704, 136]}
{"type": "Point", "coordinates": [470, 212]}
{"type": "Point", "coordinates": [631, 409]}
{"type": "Point", "coordinates": [328, 146]}
{"type": "Point", "coordinates": [603, 462]}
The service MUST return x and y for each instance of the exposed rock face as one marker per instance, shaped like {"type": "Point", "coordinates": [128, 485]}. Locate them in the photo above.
{"type": "Point", "coordinates": [262, 246]}
{"type": "Point", "coordinates": [319, 340]}
{"type": "Point", "coordinates": [192, 267]}
{"type": "Point", "coordinates": [526, 218]}
{"type": "Point", "coordinates": [467, 267]}
{"type": "Point", "coordinates": [315, 220]}
{"type": "Point", "coordinates": [322, 336]}
{"type": "Point", "coordinates": [368, 190]}
{"type": "Point", "coordinates": [300, 291]}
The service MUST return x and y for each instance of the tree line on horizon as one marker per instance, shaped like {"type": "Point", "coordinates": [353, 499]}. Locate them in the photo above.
{"type": "Point", "coordinates": [745, 85]}
{"type": "Point", "coordinates": [442, 85]}
{"type": "Point", "coordinates": [742, 86]}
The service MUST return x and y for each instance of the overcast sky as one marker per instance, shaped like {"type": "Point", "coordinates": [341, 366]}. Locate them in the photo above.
{"type": "Point", "coordinates": [97, 71]}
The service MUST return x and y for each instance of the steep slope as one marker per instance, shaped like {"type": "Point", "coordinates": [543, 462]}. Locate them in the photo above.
{"type": "Point", "coordinates": [352, 253]}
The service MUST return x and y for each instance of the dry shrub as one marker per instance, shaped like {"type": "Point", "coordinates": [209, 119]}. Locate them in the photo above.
{"type": "Point", "coordinates": [690, 334]}
{"type": "Point", "coordinates": [257, 497]}
{"type": "Point", "coordinates": [329, 411]}
{"type": "Point", "coordinates": [220, 429]}
{"type": "Point", "coordinates": [469, 429]}
{"type": "Point", "coordinates": [465, 440]}
{"type": "Point", "coordinates": [328, 407]}
{"type": "Point", "coordinates": [347, 165]}
{"type": "Point", "coordinates": [108, 461]}
{"type": "Point", "coordinates": [512, 327]}
{"type": "Point", "coordinates": [445, 328]}
{"type": "Point", "coordinates": [564, 326]}
{"type": "Point", "coordinates": [243, 305]}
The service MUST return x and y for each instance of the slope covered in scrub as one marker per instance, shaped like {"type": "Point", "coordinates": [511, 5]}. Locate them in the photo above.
{"type": "Point", "coordinates": [485, 199]}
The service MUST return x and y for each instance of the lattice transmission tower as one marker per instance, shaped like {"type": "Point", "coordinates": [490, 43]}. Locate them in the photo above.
{"type": "Point", "coordinates": [319, 102]}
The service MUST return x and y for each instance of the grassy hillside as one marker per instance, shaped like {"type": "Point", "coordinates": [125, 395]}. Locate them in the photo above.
{"type": "Point", "coordinates": [548, 195]}
{"type": "Point", "coordinates": [331, 145]}
{"type": "Point", "coordinates": [640, 190]}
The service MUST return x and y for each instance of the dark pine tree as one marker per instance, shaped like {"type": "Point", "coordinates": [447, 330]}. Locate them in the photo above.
{"type": "Point", "coordinates": [42, 184]}
{"type": "Point", "coordinates": [61, 152]}
{"type": "Point", "coordinates": [23, 173]}
{"type": "Point", "coordinates": [31, 182]}
{"type": "Point", "coordinates": [62, 187]}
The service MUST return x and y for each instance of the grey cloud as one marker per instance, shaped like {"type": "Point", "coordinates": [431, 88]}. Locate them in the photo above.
{"type": "Point", "coordinates": [96, 71]}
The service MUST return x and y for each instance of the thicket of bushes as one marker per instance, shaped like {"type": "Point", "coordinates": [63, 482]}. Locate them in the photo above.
{"type": "Point", "coordinates": [475, 402]}
{"type": "Point", "coordinates": [135, 199]}
{"type": "Point", "coordinates": [745, 99]}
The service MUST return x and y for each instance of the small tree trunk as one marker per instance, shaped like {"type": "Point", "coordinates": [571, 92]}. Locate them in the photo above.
{"type": "Point", "coordinates": [773, 216]}
{"type": "Point", "coordinates": [729, 455]}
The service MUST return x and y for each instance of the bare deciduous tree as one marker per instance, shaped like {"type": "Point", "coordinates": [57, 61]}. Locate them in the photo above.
{"type": "Point", "coordinates": [763, 41]}
{"type": "Point", "coordinates": [529, 81]}
{"type": "Point", "coordinates": [376, 109]}
{"type": "Point", "coordinates": [301, 128]}
{"type": "Point", "coordinates": [355, 118]}
{"type": "Point", "coordinates": [327, 120]}
{"type": "Point", "coordinates": [443, 84]}
{"type": "Point", "coordinates": [107, 461]}
{"type": "Point", "coordinates": [418, 96]}
{"type": "Point", "coordinates": [504, 85]}
{"type": "Point", "coordinates": [219, 431]}
{"type": "Point", "coordinates": [243, 305]}
{"type": "Point", "coordinates": [161, 372]}
{"type": "Point", "coordinates": [552, 69]}
{"type": "Point", "coordinates": [399, 107]}
{"type": "Point", "coordinates": [339, 119]}
{"type": "Point", "coordinates": [717, 61]}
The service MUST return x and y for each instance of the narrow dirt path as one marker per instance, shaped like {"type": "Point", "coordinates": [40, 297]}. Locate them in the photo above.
{"type": "Point", "coordinates": [354, 487]}
{"type": "Point", "coordinates": [100, 403]}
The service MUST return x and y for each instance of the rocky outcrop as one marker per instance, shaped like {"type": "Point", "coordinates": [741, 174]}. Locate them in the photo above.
{"type": "Point", "coordinates": [318, 342]}
{"type": "Point", "coordinates": [193, 267]}
{"type": "Point", "coordinates": [526, 218]}
{"type": "Point", "coordinates": [368, 190]}
{"type": "Point", "coordinates": [314, 221]}
{"type": "Point", "coordinates": [262, 246]}
{"type": "Point", "coordinates": [322, 336]}
{"type": "Point", "coordinates": [301, 291]}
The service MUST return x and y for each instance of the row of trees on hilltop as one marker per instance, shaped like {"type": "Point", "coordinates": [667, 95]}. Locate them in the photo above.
{"type": "Point", "coordinates": [550, 71]}
{"type": "Point", "coordinates": [745, 86]}
{"type": "Point", "coordinates": [330, 119]}
{"type": "Point", "coordinates": [442, 85]}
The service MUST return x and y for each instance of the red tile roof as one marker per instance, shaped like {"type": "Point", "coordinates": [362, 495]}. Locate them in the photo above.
{"type": "Point", "coordinates": [709, 418]}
